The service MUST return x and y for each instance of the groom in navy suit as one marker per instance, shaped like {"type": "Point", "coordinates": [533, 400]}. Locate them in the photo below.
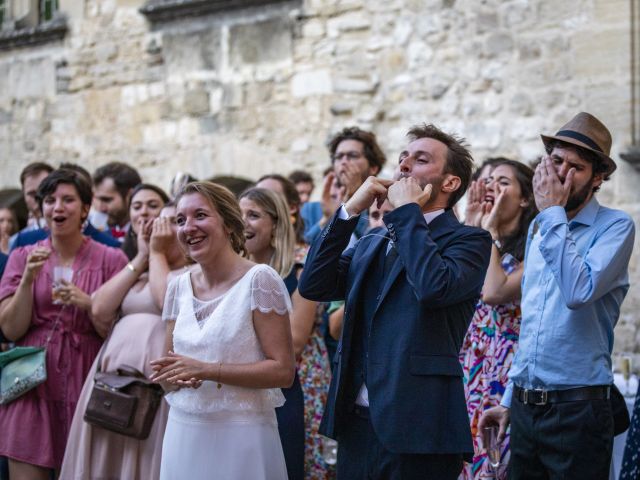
{"type": "Point", "coordinates": [396, 404]}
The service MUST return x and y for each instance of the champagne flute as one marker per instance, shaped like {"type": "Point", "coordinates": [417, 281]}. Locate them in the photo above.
{"type": "Point", "coordinates": [625, 366]}
{"type": "Point", "coordinates": [492, 446]}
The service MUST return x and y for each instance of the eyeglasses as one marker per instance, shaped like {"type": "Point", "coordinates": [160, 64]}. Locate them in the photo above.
{"type": "Point", "coordinates": [353, 155]}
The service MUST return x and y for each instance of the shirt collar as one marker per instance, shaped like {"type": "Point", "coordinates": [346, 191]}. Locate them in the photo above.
{"type": "Point", "coordinates": [587, 215]}
{"type": "Point", "coordinates": [430, 216]}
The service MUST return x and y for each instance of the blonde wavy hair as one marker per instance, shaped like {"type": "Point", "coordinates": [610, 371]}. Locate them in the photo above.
{"type": "Point", "coordinates": [284, 237]}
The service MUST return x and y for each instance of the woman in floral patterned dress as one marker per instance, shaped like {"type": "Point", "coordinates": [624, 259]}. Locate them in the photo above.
{"type": "Point", "coordinates": [503, 204]}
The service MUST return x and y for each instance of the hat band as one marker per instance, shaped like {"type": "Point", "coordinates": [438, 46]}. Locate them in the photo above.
{"type": "Point", "coordinates": [580, 137]}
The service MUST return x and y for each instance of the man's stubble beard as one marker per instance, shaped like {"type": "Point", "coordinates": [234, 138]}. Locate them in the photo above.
{"type": "Point", "coordinates": [577, 199]}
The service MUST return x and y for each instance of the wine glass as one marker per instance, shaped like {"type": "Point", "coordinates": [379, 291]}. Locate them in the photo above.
{"type": "Point", "coordinates": [492, 446]}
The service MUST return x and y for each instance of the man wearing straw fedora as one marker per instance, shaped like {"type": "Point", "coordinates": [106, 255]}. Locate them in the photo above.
{"type": "Point", "coordinates": [575, 278]}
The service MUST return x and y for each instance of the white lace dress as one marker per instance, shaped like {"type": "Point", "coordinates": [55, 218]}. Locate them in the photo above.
{"type": "Point", "coordinates": [227, 433]}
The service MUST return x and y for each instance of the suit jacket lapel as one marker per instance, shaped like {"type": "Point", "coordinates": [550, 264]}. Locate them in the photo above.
{"type": "Point", "coordinates": [363, 265]}
{"type": "Point", "coordinates": [439, 228]}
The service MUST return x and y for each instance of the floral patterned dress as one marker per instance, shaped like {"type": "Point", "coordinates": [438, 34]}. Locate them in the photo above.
{"type": "Point", "coordinates": [486, 356]}
{"type": "Point", "coordinates": [315, 376]}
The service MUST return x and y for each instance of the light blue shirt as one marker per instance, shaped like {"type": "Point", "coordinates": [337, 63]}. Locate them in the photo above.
{"type": "Point", "coordinates": [575, 278]}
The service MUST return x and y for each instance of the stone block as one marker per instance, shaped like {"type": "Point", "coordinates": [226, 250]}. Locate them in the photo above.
{"type": "Point", "coordinates": [311, 82]}
{"type": "Point", "coordinates": [349, 22]}
{"type": "Point", "coordinates": [31, 79]}
{"type": "Point", "coordinates": [186, 51]}
{"type": "Point", "coordinates": [314, 27]}
{"type": "Point", "coordinates": [354, 85]}
{"type": "Point", "coordinates": [498, 44]}
{"type": "Point", "coordinates": [260, 42]}
{"type": "Point", "coordinates": [196, 102]}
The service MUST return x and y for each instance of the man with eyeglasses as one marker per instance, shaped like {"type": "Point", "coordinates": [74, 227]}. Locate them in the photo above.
{"type": "Point", "coordinates": [355, 155]}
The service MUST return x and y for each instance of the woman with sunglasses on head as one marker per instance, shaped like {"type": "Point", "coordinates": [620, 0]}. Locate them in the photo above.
{"type": "Point", "coordinates": [132, 302]}
{"type": "Point", "coordinates": [36, 424]}
{"type": "Point", "coordinates": [229, 349]}
{"type": "Point", "coordinates": [505, 207]}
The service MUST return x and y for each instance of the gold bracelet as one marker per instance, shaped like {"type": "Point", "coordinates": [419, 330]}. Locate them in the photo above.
{"type": "Point", "coordinates": [131, 267]}
{"type": "Point", "coordinates": [219, 373]}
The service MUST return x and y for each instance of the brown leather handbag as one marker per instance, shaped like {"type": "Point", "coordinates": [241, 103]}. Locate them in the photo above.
{"type": "Point", "coordinates": [124, 401]}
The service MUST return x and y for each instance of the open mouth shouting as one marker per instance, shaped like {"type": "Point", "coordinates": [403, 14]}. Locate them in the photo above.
{"type": "Point", "coordinates": [59, 220]}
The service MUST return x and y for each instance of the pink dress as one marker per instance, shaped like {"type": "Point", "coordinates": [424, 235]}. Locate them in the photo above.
{"type": "Point", "coordinates": [36, 425]}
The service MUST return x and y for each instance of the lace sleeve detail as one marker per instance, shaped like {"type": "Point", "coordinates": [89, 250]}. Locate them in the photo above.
{"type": "Point", "coordinates": [269, 293]}
{"type": "Point", "coordinates": [172, 300]}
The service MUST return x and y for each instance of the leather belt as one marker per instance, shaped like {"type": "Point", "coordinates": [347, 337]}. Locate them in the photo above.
{"type": "Point", "coordinates": [542, 397]}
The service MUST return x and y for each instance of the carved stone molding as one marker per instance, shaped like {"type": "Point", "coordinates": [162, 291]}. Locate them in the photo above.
{"type": "Point", "coordinates": [50, 31]}
{"type": "Point", "coordinates": [167, 10]}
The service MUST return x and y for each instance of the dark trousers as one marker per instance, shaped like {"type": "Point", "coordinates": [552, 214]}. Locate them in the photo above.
{"type": "Point", "coordinates": [362, 457]}
{"type": "Point", "coordinates": [561, 441]}
{"type": "Point", "coordinates": [291, 429]}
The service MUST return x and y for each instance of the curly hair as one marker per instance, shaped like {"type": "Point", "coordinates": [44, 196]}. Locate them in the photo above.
{"type": "Point", "coordinates": [372, 151]}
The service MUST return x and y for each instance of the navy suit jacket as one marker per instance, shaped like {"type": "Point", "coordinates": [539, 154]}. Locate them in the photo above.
{"type": "Point", "coordinates": [414, 377]}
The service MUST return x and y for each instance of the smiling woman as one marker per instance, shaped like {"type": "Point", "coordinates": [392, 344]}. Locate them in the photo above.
{"type": "Point", "coordinates": [28, 314]}
{"type": "Point", "coordinates": [229, 349]}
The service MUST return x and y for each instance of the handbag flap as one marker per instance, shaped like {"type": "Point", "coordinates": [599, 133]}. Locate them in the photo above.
{"type": "Point", "coordinates": [17, 352]}
{"type": "Point", "coordinates": [119, 382]}
{"type": "Point", "coordinates": [107, 407]}
{"type": "Point", "coordinates": [25, 370]}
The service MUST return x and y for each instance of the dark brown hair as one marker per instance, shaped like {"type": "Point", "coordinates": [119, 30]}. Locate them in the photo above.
{"type": "Point", "coordinates": [515, 243]}
{"type": "Point", "coordinates": [597, 165]}
{"type": "Point", "coordinates": [459, 160]}
{"type": "Point", "coordinates": [124, 177]}
{"type": "Point", "coordinates": [372, 151]}
{"type": "Point", "coordinates": [65, 176]}
{"type": "Point", "coordinates": [300, 176]}
{"type": "Point", "coordinates": [33, 169]}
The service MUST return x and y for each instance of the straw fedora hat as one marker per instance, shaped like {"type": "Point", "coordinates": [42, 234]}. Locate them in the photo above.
{"type": "Point", "coordinates": [586, 131]}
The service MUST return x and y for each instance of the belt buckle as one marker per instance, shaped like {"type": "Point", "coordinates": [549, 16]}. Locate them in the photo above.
{"type": "Point", "coordinates": [543, 397]}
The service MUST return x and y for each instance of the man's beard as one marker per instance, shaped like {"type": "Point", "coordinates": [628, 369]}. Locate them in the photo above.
{"type": "Point", "coordinates": [576, 199]}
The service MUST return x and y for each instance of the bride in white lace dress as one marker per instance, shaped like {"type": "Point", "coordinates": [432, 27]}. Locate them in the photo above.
{"type": "Point", "coordinates": [229, 350]}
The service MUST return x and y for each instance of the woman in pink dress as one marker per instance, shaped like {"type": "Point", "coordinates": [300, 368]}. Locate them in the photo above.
{"type": "Point", "coordinates": [36, 425]}
{"type": "Point", "coordinates": [136, 295]}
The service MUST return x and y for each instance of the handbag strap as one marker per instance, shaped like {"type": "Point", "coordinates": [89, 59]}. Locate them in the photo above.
{"type": "Point", "coordinates": [55, 324]}
{"type": "Point", "coordinates": [105, 343]}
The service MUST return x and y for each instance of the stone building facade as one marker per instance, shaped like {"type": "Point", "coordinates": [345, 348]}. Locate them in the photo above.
{"type": "Point", "coordinates": [248, 87]}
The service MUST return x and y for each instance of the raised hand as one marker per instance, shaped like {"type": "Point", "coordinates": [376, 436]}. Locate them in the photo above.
{"type": "Point", "coordinates": [548, 189]}
{"type": "Point", "coordinates": [143, 235]}
{"type": "Point", "coordinates": [35, 261]}
{"type": "Point", "coordinates": [162, 235]}
{"type": "Point", "coordinates": [408, 190]}
{"type": "Point", "coordinates": [350, 178]}
{"type": "Point", "coordinates": [491, 214]}
{"type": "Point", "coordinates": [332, 197]}
{"type": "Point", "coordinates": [475, 199]}
{"type": "Point", "coordinates": [373, 189]}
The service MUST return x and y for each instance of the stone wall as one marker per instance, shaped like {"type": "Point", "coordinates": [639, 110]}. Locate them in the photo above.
{"type": "Point", "coordinates": [257, 90]}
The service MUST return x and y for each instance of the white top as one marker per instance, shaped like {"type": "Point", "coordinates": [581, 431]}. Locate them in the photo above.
{"type": "Point", "coordinates": [222, 330]}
